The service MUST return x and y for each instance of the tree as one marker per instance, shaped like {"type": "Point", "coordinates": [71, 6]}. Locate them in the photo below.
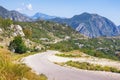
{"type": "Point", "coordinates": [17, 45]}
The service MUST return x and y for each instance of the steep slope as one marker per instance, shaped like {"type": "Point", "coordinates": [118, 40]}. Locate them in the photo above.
{"type": "Point", "coordinates": [119, 27]}
{"type": "Point", "coordinates": [41, 16]}
{"type": "Point", "coordinates": [91, 25]}
{"type": "Point", "coordinates": [13, 15]}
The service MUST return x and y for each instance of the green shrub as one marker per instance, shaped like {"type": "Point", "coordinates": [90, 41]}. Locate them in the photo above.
{"type": "Point", "coordinates": [18, 45]}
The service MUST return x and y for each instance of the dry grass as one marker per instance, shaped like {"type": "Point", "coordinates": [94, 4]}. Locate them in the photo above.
{"type": "Point", "coordinates": [12, 71]}
{"type": "Point", "coordinates": [88, 66]}
{"type": "Point", "coordinates": [73, 54]}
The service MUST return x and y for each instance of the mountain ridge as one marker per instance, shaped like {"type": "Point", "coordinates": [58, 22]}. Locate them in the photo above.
{"type": "Point", "coordinates": [91, 25]}
{"type": "Point", "coordinates": [13, 15]}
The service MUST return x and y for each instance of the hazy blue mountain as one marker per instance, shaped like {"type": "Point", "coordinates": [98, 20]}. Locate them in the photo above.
{"type": "Point", "coordinates": [14, 15]}
{"type": "Point", "coordinates": [119, 27]}
{"type": "Point", "coordinates": [91, 25]}
{"type": "Point", "coordinates": [41, 16]}
{"type": "Point", "coordinates": [4, 13]}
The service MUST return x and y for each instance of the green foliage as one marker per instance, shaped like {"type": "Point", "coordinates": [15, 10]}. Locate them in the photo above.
{"type": "Point", "coordinates": [18, 45]}
{"type": "Point", "coordinates": [47, 29]}
{"type": "Point", "coordinates": [64, 46]}
{"type": "Point", "coordinates": [88, 66]}
{"type": "Point", "coordinates": [101, 47]}
{"type": "Point", "coordinates": [5, 23]}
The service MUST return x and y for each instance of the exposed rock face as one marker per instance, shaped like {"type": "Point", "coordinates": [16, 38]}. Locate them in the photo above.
{"type": "Point", "coordinates": [91, 25]}
{"type": "Point", "coordinates": [13, 15]}
{"type": "Point", "coordinates": [17, 30]}
{"type": "Point", "coordinates": [119, 28]}
{"type": "Point", "coordinates": [33, 45]}
{"type": "Point", "coordinates": [1, 31]}
{"type": "Point", "coordinates": [16, 16]}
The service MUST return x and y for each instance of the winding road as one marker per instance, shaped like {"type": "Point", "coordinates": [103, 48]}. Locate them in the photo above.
{"type": "Point", "coordinates": [41, 64]}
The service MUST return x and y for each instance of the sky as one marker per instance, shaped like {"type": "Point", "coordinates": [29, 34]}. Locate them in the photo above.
{"type": "Point", "coordinates": [66, 8]}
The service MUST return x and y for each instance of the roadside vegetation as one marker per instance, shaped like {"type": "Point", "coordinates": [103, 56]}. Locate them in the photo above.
{"type": "Point", "coordinates": [71, 54]}
{"type": "Point", "coordinates": [10, 70]}
{"type": "Point", "coordinates": [88, 66]}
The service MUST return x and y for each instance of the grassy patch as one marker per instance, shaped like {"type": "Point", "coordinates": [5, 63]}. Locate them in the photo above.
{"type": "Point", "coordinates": [68, 55]}
{"type": "Point", "coordinates": [19, 56]}
{"type": "Point", "coordinates": [72, 54]}
{"type": "Point", "coordinates": [88, 66]}
{"type": "Point", "coordinates": [12, 71]}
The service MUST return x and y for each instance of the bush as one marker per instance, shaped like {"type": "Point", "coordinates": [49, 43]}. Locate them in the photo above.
{"type": "Point", "coordinates": [17, 45]}
{"type": "Point", "coordinates": [27, 32]}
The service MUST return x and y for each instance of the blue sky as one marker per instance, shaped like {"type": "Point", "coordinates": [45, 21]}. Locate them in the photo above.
{"type": "Point", "coordinates": [66, 8]}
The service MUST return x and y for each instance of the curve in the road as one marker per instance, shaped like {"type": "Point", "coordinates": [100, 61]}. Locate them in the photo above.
{"type": "Point", "coordinates": [40, 64]}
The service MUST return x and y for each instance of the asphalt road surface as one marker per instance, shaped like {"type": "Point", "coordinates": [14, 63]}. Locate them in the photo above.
{"type": "Point", "coordinates": [40, 64]}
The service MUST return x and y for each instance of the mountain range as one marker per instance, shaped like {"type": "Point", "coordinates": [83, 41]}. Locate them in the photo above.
{"type": "Point", "coordinates": [91, 25]}
{"type": "Point", "coordinates": [13, 15]}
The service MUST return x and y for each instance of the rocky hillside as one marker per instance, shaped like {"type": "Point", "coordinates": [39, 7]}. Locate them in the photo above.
{"type": "Point", "coordinates": [36, 35]}
{"type": "Point", "coordinates": [91, 25]}
{"type": "Point", "coordinates": [48, 31]}
{"type": "Point", "coordinates": [13, 15]}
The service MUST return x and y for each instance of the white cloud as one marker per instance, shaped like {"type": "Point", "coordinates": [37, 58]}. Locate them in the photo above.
{"type": "Point", "coordinates": [19, 9]}
{"type": "Point", "coordinates": [29, 7]}
{"type": "Point", "coordinates": [25, 7]}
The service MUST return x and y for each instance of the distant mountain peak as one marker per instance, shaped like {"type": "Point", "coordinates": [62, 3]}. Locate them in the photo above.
{"type": "Point", "coordinates": [42, 16]}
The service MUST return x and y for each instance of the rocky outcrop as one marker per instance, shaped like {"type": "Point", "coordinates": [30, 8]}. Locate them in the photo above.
{"type": "Point", "coordinates": [17, 30]}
